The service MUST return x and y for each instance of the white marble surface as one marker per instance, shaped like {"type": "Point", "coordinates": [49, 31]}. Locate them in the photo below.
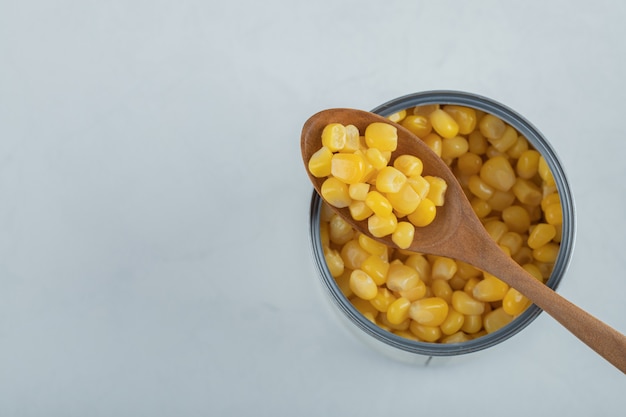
{"type": "Point", "coordinates": [146, 147]}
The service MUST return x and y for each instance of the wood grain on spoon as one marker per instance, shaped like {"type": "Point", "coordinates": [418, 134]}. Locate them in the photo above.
{"type": "Point", "coordinates": [457, 233]}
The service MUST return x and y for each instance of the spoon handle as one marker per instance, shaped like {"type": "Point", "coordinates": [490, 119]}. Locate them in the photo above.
{"type": "Point", "coordinates": [606, 341]}
{"type": "Point", "coordinates": [472, 244]}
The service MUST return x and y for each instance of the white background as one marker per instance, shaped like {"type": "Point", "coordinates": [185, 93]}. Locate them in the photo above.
{"type": "Point", "coordinates": [154, 253]}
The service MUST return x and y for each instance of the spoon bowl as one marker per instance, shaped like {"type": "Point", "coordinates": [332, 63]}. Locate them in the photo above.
{"type": "Point", "coordinates": [449, 217]}
{"type": "Point", "coordinates": [457, 233]}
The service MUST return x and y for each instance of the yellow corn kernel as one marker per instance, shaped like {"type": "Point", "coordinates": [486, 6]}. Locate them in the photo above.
{"type": "Point", "coordinates": [498, 173]}
{"type": "Point", "coordinates": [401, 277]}
{"type": "Point", "coordinates": [379, 204]}
{"type": "Point", "coordinates": [516, 218]}
{"type": "Point", "coordinates": [403, 235]}
{"type": "Point", "coordinates": [493, 152]}
{"type": "Point", "coordinates": [496, 229]}
{"type": "Point", "coordinates": [437, 190]}
{"type": "Point", "coordinates": [358, 191]}
{"type": "Point", "coordinates": [541, 234]}
{"type": "Point", "coordinates": [433, 141]}
{"type": "Point", "coordinates": [514, 302]}
{"type": "Point", "coordinates": [376, 267]}
{"type": "Point", "coordinates": [466, 304]}
{"type": "Point", "coordinates": [425, 333]}
{"type": "Point", "coordinates": [320, 162]}
{"type": "Point", "coordinates": [472, 323]}
{"type": "Point", "coordinates": [384, 323]}
{"type": "Point", "coordinates": [398, 310]}
{"type": "Point", "coordinates": [424, 214]}
{"type": "Point", "coordinates": [470, 283]}
{"type": "Point", "coordinates": [420, 185]}
{"type": "Point", "coordinates": [430, 311]}
{"type": "Point", "coordinates": [458, 337]}
{"type": "Point", "coordinates": [359, 210]}
{"type": "Point", "coordinates": [397, 117]}
{"type": "Point", "coordinates": [334, 136]}
{"type": "Point", "coordinates": [382, 136]}
{"type": "Point", "coordinates": [469, 163]}
{"type": "Point", "coordinates": [364, 307]}
{"type": "Point", "coordinates": [343, 282]}
{"type": "Point", "coordinates": [383, 299]}
{"type": "Point", "coordinates": [453, 322]}
{"type": "Point", "coordinates": [457, 283]}
{"type": "Point", "coordinates": [442, 289]}
{"type": "Point", "coordinates": [444, 124]}
{"type": "Point", "coordinates": [527, 192]}
{"type": "Point", "coordinates": [335, 192]}
{"type": "Point", "coordinates": [417, 124]}
{"type": "Point", "coordinates": [480, 188]}
{"type": "Point", "coordinates": [421, 264]}
{"type": "Point", "coordinates": [425, 109]}
{"type": "Point", "coordinates": [549, 199]}
{"type": "Point", "coordinates": [380, 226]}
{"type": "Point", "coordinates": [454, 147]}
{"type": "Point", "coordinates": [559, 233]}
{"type": "Point", "coordinates": [334, 262]}
{"type": "Point", "coordinates": [369, 172]}
{"type": "Point", "coordinates": [501, 200]}
{"type": "Point", "coordinates": [519, 147]}
{"type": "Point", "coordinates": [481, 207]}
{"type": "Point", "coordinates": [477, 334]}
{"type": "Point", "coordinates": [496, 319]}
{"type": "Point", "coordinates": [377, 158]}
{"type": "Point", "coordinates": [415, 293]}
{"type": "Point", "coordinates": [505, 141]}
{"type": "Point", "coordinates": [512, 240]}
{"type": "Point", "coordinates": [406, 334]}
{"type": "Point", "coordinates": [390, 180]}
{"type": "Point", "coordinates": [477, 143]}
{"type": "Point", "coordinates": [372, 246]}
{"type": "Point", "coordinates": [467, 271]}
{"type": "Point", "coordinates": [528, 164]}
{"type": "Point", "coordinates": [370, 316]}
{"type": "Point", "coordinates": [544, 172]}
{"type": "Point", "coordinates": [362, 285]}
{"type": "Point", "coordinates": [409, 165]}
{"type": "Point", "coordinates": [491, 126]}
{"type": "Point", "coordinates": [554, 214]}
{"type": "Point", "coordinates": [353, 254]}
{"type": "Point", "coordinates": [490, 289]}
{"type": "Point", "coordinates": [465, 117]}
{"type": "Point", "coordinates": [546, 253]}
{"type": "Point", "coordinates": [523, 256]}
{"type": "Point", "coordinates": [405, 201]}
{"type": "Point", "coordinates": [353, 141]}
{"type": "Point", "coordinates": [443, 268]}
{"type": "Point", "coordinates": [339, 230]}
{"type": "Point", "coordinates": [545, 268]}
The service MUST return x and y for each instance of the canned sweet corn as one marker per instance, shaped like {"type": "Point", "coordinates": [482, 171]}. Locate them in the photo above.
{"type": "Point", "coordinates": [417, 306]}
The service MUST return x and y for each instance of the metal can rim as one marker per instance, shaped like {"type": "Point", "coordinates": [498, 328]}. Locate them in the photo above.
{"type": "Point", "coordinates": [536, 138]}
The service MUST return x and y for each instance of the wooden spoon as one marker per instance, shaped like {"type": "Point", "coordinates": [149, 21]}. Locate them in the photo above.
{"type": "Point", "coordinates": [457, 233]}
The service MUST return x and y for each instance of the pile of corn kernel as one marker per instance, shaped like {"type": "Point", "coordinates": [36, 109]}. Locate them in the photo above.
{"type": "Point", "coordinates": [438, 299]}
{"type": "Point", "coordinates": [393, 198]}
